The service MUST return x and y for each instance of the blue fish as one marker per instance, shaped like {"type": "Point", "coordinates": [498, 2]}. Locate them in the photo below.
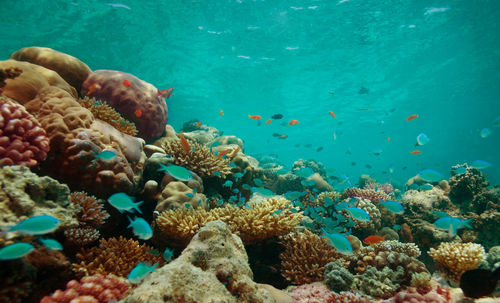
{"type": "Point", "coordinates": [228, 183]}
{"type": "Point", "coordinates": [422, 139]}
{"type": "Point", "coordinates": [460, 170]}
{"type": "Point", "coordinates": [263, 191]}
{"type": "Point", "coordinates": [485, 132]}
{"type": "Point", "coordinates": [294, 195]}
{"type": "Point", "coordinates": [414, 186]}
{"type": "Point", "coordinates": [217, 173]}
{"type": "Point", "coordinates": [305, 172]}
{"type": "Point", "coordinates": [178, 172]}
{"type": "Point", "coordinates": [237, 176]}
{"type": "Point", "coordinates": [425, 187]}
{"type": "Point", "coordinates": [37, 225]}
{"type": "Point", "coordinates": [258, 182]}
{"type": "Point", "coordinates": [220, 202]}
{"type": "Point", "coordinates": [246, 186]}
{"type": "Point", "coordinates": [327, 202]}
{"type": "Point", "coordinates": [480, 164]}
{"type": "Point", "coordinates": [123, 202]}
{"type": "Point", "coordinates": [106, 155]}
{"type": "Point", "coordinates": [190, 195]}
{"type": "Point", "coordinates": [430, 175]}
{"type": "Point", "coordinates": [394, 206]}
{"type": "Point", "coordinates": [232, 164]}
{"type": "Point", "coordinates": [452, 224]}
{"type": "Point", "coordinates": [281, 171]}
{"type": "Point", "coordinates": [377, 151]}
{"type": "Point", "coordinates": [140, 272]}
{"type": "Point", "coordinates": [141, 228]}
{"type": "Point", "coordinates": [51, 244]}
{"type": "Point", "coordinates": [396, 227]}
{"type": "Point", "coordinates": [15, 251]}
{"type": "Point", "coordinates": [339, 241]}
{"type": "Point", "coordinates": [277, 212]}
{"type": "Point", "coordinates": [359, 214]}
{"type": "Point", "coordinates": [235, 190]}
{"type": "Point", "coordinates": [440, 214]}
{"type": "Point", "coordinates": [168, 254]}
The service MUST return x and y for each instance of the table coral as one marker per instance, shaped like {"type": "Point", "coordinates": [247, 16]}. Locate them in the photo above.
{"type": "Point", "coordinates": [22, 139]}
{"type": "Point", "coordinates": [114, 256]}
{"type": "Point", "coordinates": [453, 259]}
{"type": "Point", "coordinates": [369, 194]}
{"type": "Point", "coordinates": [91, 289]}
{"type": "Point", "coordinates": [138, 102]}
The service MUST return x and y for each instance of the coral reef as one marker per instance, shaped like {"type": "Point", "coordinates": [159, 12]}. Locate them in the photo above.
{"type": "Point", "coordinates": [386, 187]}
{"type": "Point", "coordinates": [22, 139]}
{"type": "Point", "coordinates": [9, 73]}
{"type": "Point", "coordinates": [369, 194]}
{"type": "Point", "coordinates": [310, 293]}
{"type": "Point", "coordinates": [421, 204]}
{"type": "Point", "coordinates": [92, 289]}
{"type": "Point", "coordinates": [106, 113]}
{"type": "Point", "coordinates": [16, 279]}
{"type": "Point", "coordinates": [91, 210]}
{"type": "Point", "coordinates": [347, 297]}
{"type": "Point", "coordinates": [81, 236]}
{"type": "Point", "coordinates": [337, 277]}
{"type": "Point", "coordinates": [212, 268]}
{"type": "Point", "coordinates": [138, 101]}
{"type": "Point", "coordinates": [436, 295]}
{"type": "Point", "coordinates": [260, 221]}
{"type": "Point", "coordinates": [316, 166]}
{"type": "Point", "coordinates": [305, 256]}
{"type": "Point", "coordinates": [114, 256]}
{"type": "Point", "coordinates": [379, 283]}
{"type": "Point", "coordinates": [177, 194]}
{"type": "Point", "coordinates": [467, 190]}
{"type": "Point", "coordinates": [453, 259]}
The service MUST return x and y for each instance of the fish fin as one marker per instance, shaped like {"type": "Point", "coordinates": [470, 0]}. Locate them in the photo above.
{"type": "Point", "coordinates": [154, 266]}
{"type": "Point", "coordinates": [452, 231]}
{"type": "Point", "coordinates": [136, 206]}
{"type": "Point", "coordinates": [466, 223]}
{"type": "Point", "coordinates": [131, 221]}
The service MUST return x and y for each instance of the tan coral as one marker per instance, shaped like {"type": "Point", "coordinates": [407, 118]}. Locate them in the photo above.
{"type": "Point", "coordinates": [91, 211]}
{"type": "Point", "coordinates": [262, 220]}
{"type": "Point", "coordinates": [456, 258]}
{"type": "Point", "coordinates": [177, 194]}
{"type": "Point", "coordinates": [370, 194]}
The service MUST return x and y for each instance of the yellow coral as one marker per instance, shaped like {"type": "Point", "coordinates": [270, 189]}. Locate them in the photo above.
{"type": "Point", "coordinates": [106, 113]}
{"type": "Point", "coordinates": [262, 220]}
{"type": "Point", "coordinates": [456, 258]}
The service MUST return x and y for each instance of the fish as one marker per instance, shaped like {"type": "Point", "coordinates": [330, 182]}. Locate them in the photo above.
{"type": "Point", "coordinates": [51, 244]}
{"type": "Point", "coordinates": [353, 163]}
{"type": "Point", "coordinates": [235, 152]}
{"type": "Point", "coordinates": [480, 164]}
{"type": "Point", "coordinates": [198, 124]}
{"type": "Point", "coordinates": [293, 122]}
{"type": "Point", "coordinates": [263, 191]}
{"type": "Point", "coordinates": [363, 90]}
{"type": "Point", "coordinates": [396, 227]}
{"type": "Point", "coordinates": [127, 83]}
{"type": "Point", "coordinates": [425, 187]}
{"type": "Point", "coordinates": [221, 113]}
{"type": "Point", "coordinates": [268, 121]}
{"type": "Point", "coordinates": [304, 172]}
{"type": "Point", "coordinates": [335, 135]}
{"type": "Point", "coordinates": [294, 195]}
{"type": "Point", "coordinates": [141, 228]}
{"type": "Point", "coordinates": [153, 252]}
{"type": "Point", "coordinates": [138, 113]}
{"type": "Point", "coordinates": [254, 117]}
{"type": "Point", "coordinates": [411, 117]}
{"type": "Point", "coordinates": [373, 239]}
{"type": "Point", "coordinates": [388, 139]}
{"type": "Point", "coordinates": [222, 153]}
{"type": "Point", "coordinates": [377, 151]}
{"type": "Point", "coordinates": [393, 206]}
{"type": "Point", "coordinates": [422, 139]}
{"type": "Point", "coordinates": [246, 186]}
{"type": "Point", "coordinates": [440, 214]}
{"type": "Point", "coordinates": [140, 272]}
{"type": "Point", "coordinates": [283, 136]}
{"type": "Point", "coordinates": [368, 166]}
{"type": "Point", "coordinates": [178, 172]}
{"type": "Point", "coordinates": [430, 175]}
{"type": "Point", "coordinates": [452, 224]}
{"type": "Point", "coordinates": [237, 176]}
{"type": "Point", "coordinates": [478, 283]}
{"type": "Point", "coordinates": [119, 5]}
{"type": "Point", "coordinates": [123, 202]}
{"type": "Point", "coordinates": [276, 135]}
{"type": "Point", "coordinates": [93, 88]}
{"type": "Point", "coordinates": [332, 114]}
{"type": "Point", "coordinates": [460, 170]}
{"type": "Point", "coordinates": [358, 214]}
{"type": "Point", "coordinates": [37, 225]}
{"type": "Point", "coordinates": [281, 171]}
{"type": "Point", "coordinates": [228, 183]}
{"type": "Point", "coordinates": [415, 152]}
{"type": "Point", "coordinates": [15, 251]}
{"type": "Point", "coordinates": [339, 241]}
{"type": "Point", "coordinates": [168, 254]}
{"type": "Point", "coordinates": [165, 93]}
{"type": "Point", "coordinates": [184, 143]}
{"type": "Point", "coordinates": [277, 116]}
{"type": "Point", "coordinates": [319, 149]}
{"type": "Point", "coordinates": [106, 155]}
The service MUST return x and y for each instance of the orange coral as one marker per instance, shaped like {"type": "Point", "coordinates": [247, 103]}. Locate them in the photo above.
{"type": "Point", "coordinates": [91, 210]}
{"type": "Point", "coordinates": [104, 112]}
{"type": "Point", "coordinates": [114, 256]}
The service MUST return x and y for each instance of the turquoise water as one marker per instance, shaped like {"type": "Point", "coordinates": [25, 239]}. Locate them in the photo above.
{"type": "Point", "coordinates": [437, 59]}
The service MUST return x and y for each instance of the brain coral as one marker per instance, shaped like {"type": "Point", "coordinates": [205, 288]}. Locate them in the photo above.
{"type": "Point", "coordinates": [135, 99]}
{"type": "Point", "coordinates": [22, 139]}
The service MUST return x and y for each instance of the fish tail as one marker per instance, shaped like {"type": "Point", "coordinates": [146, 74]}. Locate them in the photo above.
{"type": "Point", "coordinates": [136, 206]}
{"type": "Point", "coordinates": [130, 220]}
{"type": "Point", "coordinates": [466, 223]}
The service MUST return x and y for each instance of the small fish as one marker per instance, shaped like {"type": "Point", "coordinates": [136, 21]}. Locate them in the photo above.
{"type": "Point", "coordinates": [485, 132]}
{"type": "Point", "coordinates": [198, 124]}
{"type": "Point", "coordinates": [425, 187]}
{"type": "Point", "coordinates": [284, 136]}
{"type": "Point", "coordinates": [127, 83]}
{"type": "Point", "coordinates": [304, 172]}
{"type": "Point", "coordinates": [460, 170]}
{"type": "Point", "coordinates": [353, 163]}
{"type": "Point", "coordinates": [335, 135]}
{"type": "Point", "coordinates": [217, 173]}
{"type": "Point", "coordinates": [51, 244]}
{"type": "Point", "coordinates": [140, 228]}
{"type": "Point", "coordinates": [184, 143]}
{"type": "Point", "coordinates": [363, 90]}
{"type": "Point", "coordinates": [430, 175]}
{"type": "Point", "coordinates": [237, 176]}
{"type": "Point", "coordinates": [377, 151]}
{"type": "Point", "coordinates": [263, 191]}
{"type": "Point", "coordinates": [393, 206]}
{"type": "Point", "coordinates": [276, 135]}
{"type": "Point", "coordinates": [480, 164]}
{"type": "Point", "coordinates": [358, 214]}
{"type": "Point", "coordinates": [411, 117]}
{"type": "Point", "coordinates": [222, 153]}
{"type": "Point", "coordinates": [452, 224]}
{"type": "Point", "coordinates": [339, 241]}
{"type": "Point", "coordinates": [228, 183]}
{"type": "Point", "coordinates": [281, 171]}
{"type": "Point", "coordinates": [277, 212]}
{"type": "Point", "coordinates": [294, 195]}
{"type": "Point", "coordinates": [396, 227]}
{"type": "Point", "coordinates": [153, 252]}
{"type": "Point", "coordinates": [138, 113]}
{"type": "Point", "coordinates": [332, 114]}
{"type": "Point", "coordinates": [440, 214]}
{"type": "Point", "coordinates": [277, 116]}
{"type": "Point", "coordinates": [168, 254]}
{"type": "Point", "coordinates": [165, 93]}
{"type": "Point", "coordinates": [178, 172]}
{"type": "Point", "coordinates": [254, 117]}
{"type": "Point", "coordinates": [368, 166]}
{"type": "Point", "coordinates": [235, 152]}
{"type": "Point", "coordinates": [293, 122]}
{"type": "Point", "coordinates": [15, 251]}
{"type": "Point", "coordinates": [221, 113]}
{"type": "Point", "coordinates": [415, 152]}
{"type": "Point", "coordinates": [373, 239]}
{"type": "Point", "coordinates": [123, 202]}
{"type": "Point", "coordinates": [268, 121]}
{"type": "Point", "coordinates": [140, 272]}
{"type": "Point", "coordinates": [258, 182]}
{"type": "Point", "coordinates": [422, 139]}
{"type": "Point", "coordinates": [106, 155]}
{"type": "Point", "coordinates": [388, 139]}
{"type": "Point", "coordinates": [246, 186]}
{"type": "Point", "coordinates": [319, 149]}
{"type": "Point", "coordinates": [478, 283]}
{"type": "Point", "coordinates": [93, 88]}
{"type": "Point", "coordinates": [37, 225]}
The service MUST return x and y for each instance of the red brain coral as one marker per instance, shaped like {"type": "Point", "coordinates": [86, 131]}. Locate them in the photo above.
{"type": "Point", "coordinates": [22, 139]}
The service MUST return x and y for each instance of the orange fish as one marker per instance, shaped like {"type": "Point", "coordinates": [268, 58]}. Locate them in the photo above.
{"type": "Point", "coordinates": [332, 114]}
{"type": "Point", "coordinates": [93, 88]}
{"type": "Point", "coordinates": [165, 93]}
{"type": "Point", "coordinates": [268, 121]}
{"type": "Point", "coordinates": [254, 117]}
{"type": "Point", "coordinates": [415, 152]}
{"type": "Point", "coordinates": [221, 113]}
{"type": "Point", "coordinates": [126, 83]}
{"type": "Point", "coordinates": [411, 117]}
{"type": "Point", "coordinates": [235, 152]}
{"type": "Point", "coordinates": [198, 124]}
{"type": "Point", "coordinates": [388, 139]}
{"type": "Point", "coordinates": [184, 143]}
{"type": "Point", "coordinates": [373, 239]}
{"type": "Point", "coordinates": [138, 113]}
{"type": "Point", "coordinates": [284, 136]}
{"type": "Point", "coordinates": [222, 153]}
{"type": "Point", "coordinates": [293, 122]}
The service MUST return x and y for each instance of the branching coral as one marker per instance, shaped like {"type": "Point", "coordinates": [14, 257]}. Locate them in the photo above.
{"type": "Point", "coordinates": [197, 158]}
{"type": "Point", "coordinates": [81, 236]}
{"type": "Point", "coordinates": [104, 112]}
{"type": "Point", "coordinates": [92, 289]}
{"type": "Point", "coordinates": [455, 258]}
{"type": "Point", "coordinates": [115, 256]}
{"type": "Point", "coordinates": [261, 220]}
{"type": "Point", "coordinates": [305, 256]}
{"type": "Point", "coordinates": [369, 194]}
{"type": "Point", "coordinates": [92, 212]}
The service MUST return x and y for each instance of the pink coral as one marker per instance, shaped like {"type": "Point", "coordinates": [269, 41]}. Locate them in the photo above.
{"type": "Point", "coordinates": [347, 297]}
{"type": "Point", "coordinates": [22, 140]}
{"type": "Point", "coordinates": [435, 295]}
{"type": "Point", "coordinates": [90, 289]}
{"type": "Point", "coordinates": [311, 293]}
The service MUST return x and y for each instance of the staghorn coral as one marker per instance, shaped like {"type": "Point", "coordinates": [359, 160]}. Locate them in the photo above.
{"type": "Point", "coordinates": [92, 289]}
{"type": "Point", "coordinates": [22, 139]}
{"type": "Point", "coordinates": [9, 73]}
{"type": "Point", "coordinates": [104, 112]}
{"type": "Point", "coordinates": [114, 256]}
{"type": "Point", "coordinates": [369, 194]}
{"type": "Point", "coordinates": [81, 236]}
{"type": "Point", "coordinates": [379, 283]}
{"type": "Point", "coordinates": [347, 297]}
{"type": "Point", "coordinates": [337, 277]}
{"type": "Point", "coordinates": [92, 212]}
{"type": "Point", "coordinates": [453, 259]}
{"type": "Point", "coordinates": [305, 256]}
{"type": "Point", "coordinates": [260, 221]}
{"type": "Point", "coordinates": [310, 293]}
{"type": "Point", "coordinates": [200, 160]}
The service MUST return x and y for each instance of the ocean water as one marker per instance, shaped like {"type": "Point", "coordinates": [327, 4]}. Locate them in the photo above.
{"type": "Point", "coordinates": [437, 59]}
